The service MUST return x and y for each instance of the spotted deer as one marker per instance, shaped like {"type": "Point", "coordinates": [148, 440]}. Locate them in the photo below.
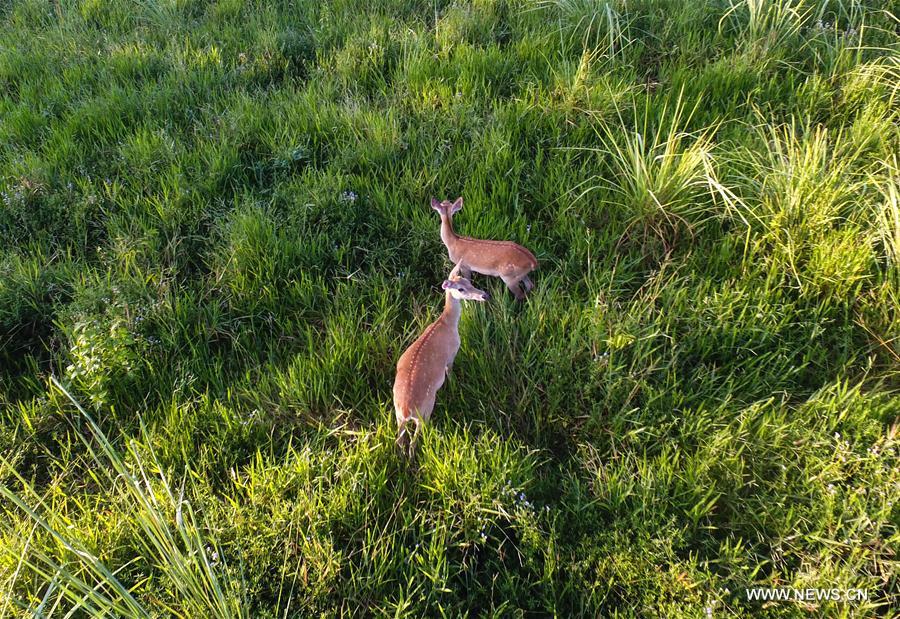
{"type": "Point", "coordinates": [504, 259]}
{"type": "Point", "coordinates": [422, 369]}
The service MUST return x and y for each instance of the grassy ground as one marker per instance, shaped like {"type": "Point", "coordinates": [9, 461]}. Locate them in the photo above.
{"type": "Point", "coordinates": [215, 237]}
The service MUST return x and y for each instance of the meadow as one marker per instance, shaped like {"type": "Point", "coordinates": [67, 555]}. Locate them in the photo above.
{"type": "Point", "coordinates": [216, 241]}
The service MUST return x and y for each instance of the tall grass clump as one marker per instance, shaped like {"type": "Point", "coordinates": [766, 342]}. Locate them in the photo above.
{"type": "Point", "coordinates": [887, 214]}
{"type": "Point", "coordinates": [763, 25]}
{"type": "Point", "coordinates": [662, 173]}
{"type": "Point", "coordinates": [805, 178]}
{"type": "Point", "coordinates": [601, 26]}
{"type": "Point", "coordinates": [173, 542]}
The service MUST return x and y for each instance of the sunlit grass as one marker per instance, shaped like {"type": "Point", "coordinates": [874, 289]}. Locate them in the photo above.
{"type": "Point", "coordinates": [215, 242]}
{"type": "Point", "coordinates": [662, 174]}
{"type": "Point", "coordinates": [887, 213]}
{"type": "Point", "coordinates": [765, 24]}
{"type": "Point", "coordinates": [172, 539]}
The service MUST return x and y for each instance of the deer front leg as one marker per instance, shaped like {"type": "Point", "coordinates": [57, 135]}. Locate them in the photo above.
{"type": "Point", "coordinates": [402, 437]}
{"type": "Point", "coordinates": [414, 437]}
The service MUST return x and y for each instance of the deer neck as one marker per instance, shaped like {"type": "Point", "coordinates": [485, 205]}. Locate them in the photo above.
{"type": "Point", "coordinates": [448, 236]}
{"type": "Point", "coordinates": [452, 309]}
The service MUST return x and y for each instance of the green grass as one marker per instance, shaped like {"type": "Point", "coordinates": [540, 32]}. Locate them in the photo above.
{"type": "Point", "coordinates": [216, 241]}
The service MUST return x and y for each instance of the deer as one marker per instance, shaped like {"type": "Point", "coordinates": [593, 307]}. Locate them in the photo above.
{"type": "Point", "coordinates": [504, 259]}
{"type": "Point", "coordinates": [425, 365]}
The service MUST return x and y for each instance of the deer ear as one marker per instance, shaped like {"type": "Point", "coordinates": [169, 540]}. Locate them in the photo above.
{"type": "Point", "coordinates": [435, 205]}
{"type": "Point", "coordinates": [446, 284]}
{"type": "Point", "coordinates": [457, 206]}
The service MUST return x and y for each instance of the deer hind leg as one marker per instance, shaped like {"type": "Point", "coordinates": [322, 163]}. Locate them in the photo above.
{"type": "Point", "coordinates": [526, 281]}
{"type": "Point", "coordinates": [512, 283]}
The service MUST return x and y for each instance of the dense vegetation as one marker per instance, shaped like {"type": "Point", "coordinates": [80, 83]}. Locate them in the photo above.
{"type": "Point", "coordinates": [216, 240]}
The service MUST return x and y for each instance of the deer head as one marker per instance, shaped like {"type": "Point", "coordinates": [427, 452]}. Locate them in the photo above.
{"type": "Point", "coordinates": [462, 289]}
{"type": "Point", "coordinates": [447, 207]}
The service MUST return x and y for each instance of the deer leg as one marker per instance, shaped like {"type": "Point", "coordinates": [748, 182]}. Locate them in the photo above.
{"type": "Point", "coordinates": [414, 437]}
{"type": "Point", "coordinates": [527, 283]}
{"type": "Point", "coordinates": [513, 284]}
{"type": "Point", "coordinates": [401, 435]}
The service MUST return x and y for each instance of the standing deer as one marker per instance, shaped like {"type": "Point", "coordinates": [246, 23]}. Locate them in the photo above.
{"type": "Point", "coordinates": [504, 259]}
{"type": "Point", "coordinates": [422, 369]}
